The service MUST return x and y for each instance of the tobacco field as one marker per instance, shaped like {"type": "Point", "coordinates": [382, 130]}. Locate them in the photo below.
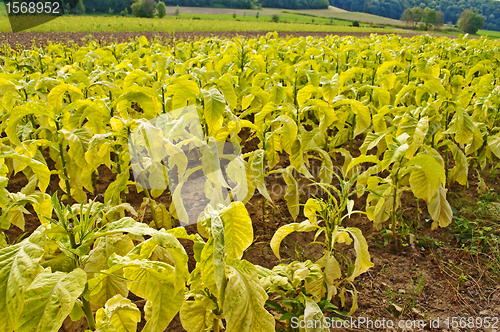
{"type": "Point", "coordinates": [104, 220]}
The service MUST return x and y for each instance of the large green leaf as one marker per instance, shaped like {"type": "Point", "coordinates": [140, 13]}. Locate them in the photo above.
{"type": "Point", "coordinates": [20, 112]}
{"type": "Point", "coordinates": [219, 252]}
{"type": "Point", "coordinates": [330, 88]}
{"type": "Point", "coordinates": [208, 267]}
{"type": "Point", "coordinates": [177, 256]}
{"type": "Point", "coordinates": [313, 316]}
{"type": "Point", "coordinates": [332, 272]}
{"type": "Point", "coordinates": [306, 93]}
{"type": "Point", "coordinates": [426, 178]}
{"type": "Point", "coordinates": [55, 97]}
{"type": "Point", "coordinates": [195, 317]}
{"type": "Point", "coordinates": [146, 97]}
{"type": "Point", "coordinates": [41, 170]}
{"type": "Point", "coordinates": [244, 300]}
{"type": "Point", "coordinates": [494, 144]}
{"type": "Point", "coordinates": [50, 299]}
{"type": "Point", "coordinates": [107, 284]}
{"type": "Point", "coordinates": [284, 231]}
{"type": "Point", "coordinates": [119, 315]}
{"type": "Point", "coordinates": [257, 167]}
{"type": "Point", "coordinates": [154, 282]}
{"type": "Point", "coordinates": [363, 118]}
{"type": "Point", "coordinates": [362, 262]}
{"type": "Point", "coordinates": [78, 141]}
{"type": "Point", "coordinates": [214, 108]}
{"type": "Point", "coordinates": [228, 91]}
{"type": "Point", "coordinates": [292, 194]}
{"type": "Point", "coordinates": [289, 132]}
{"type": "Point", "coordinates": [18, 268]}
{"type": "Point", "coordinates": [440, 209]}
{"type": "Point", "coordinates": [104, 247]}
{"type": "Point", "coordinates": [238, 230]}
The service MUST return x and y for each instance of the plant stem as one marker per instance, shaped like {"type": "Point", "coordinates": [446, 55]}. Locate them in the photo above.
{"type": "Point", "coordinates": [111, 101]}
{"type": "Point", "coordinates": [418, 212]}
{"type": "Point", "coordinates": [151, 206]}
{"type": "Point", "coordinates": [216, 325]}
{"type": "Point", "coordinates": [219, 311]}
{"type": "Point", "coordinates": [88, 311]}
{"type": "Point", "coordinates": [394, 200]}
{"type": "Point", "coordinates": [63, 164]}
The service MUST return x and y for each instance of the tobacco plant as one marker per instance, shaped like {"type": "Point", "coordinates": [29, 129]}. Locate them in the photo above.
{"type": "Point", "coordinates": [325, 217]}
{"type": "Point", "coordinates": [422, 174]}
{"type": "Point", "coordinates": [223, 287]}
{"type": "Point", "coordinates": [295, 289]}
{"type": "Point", "coordinates": [76, 263]}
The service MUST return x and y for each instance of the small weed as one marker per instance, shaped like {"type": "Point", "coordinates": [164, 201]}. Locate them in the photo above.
{"type": "Point", "coordinates": [406, 303]}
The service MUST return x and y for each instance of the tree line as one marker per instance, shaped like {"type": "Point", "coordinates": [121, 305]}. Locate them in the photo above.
{"type": "Point", "coordinates": [469, 21]}
{"type": "Point", "coordinates": [118, 6]}
{"type": "Point", "coordinates": [452, 9]}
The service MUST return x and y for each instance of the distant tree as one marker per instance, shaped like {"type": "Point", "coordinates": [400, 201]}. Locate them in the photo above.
{"type": "Point", "coordinates": [429, 17]}
{"type": "Point", "coordinates": [124, 12]}
{"type": "Point", "coordinates": [234, 15]}
{"type": "Point", "coordinates": [418, 12]}
{"type": "Point", "coordinates": [355, 23]}
{"type": "Point", "coordinates": [275, 18]}
{"type": "Point", "coordinates": [161, 9]}
{"type": "Point", "coordinates": [177, 11]}
{"type": "Point", "coordinates": [440, 18]}
{"type": "Point", "coordinates": [257, 15]}
{"type": "Point", "coordinates": [110, 11]}
{"type": "Point", "coordinates": [144, 8]}
{"type": "Point", "coordinates": [408, 16]}
{"type": "Point", "coordinates": [136, 8]}
{"type": "Point", "coordinates": [80, 8]}
{"type": "Point", "coordinates": [470, 21]}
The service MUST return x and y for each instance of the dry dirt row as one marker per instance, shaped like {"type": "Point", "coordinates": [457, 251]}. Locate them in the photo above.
{"type": "Point", "coordinates": [25, 40]}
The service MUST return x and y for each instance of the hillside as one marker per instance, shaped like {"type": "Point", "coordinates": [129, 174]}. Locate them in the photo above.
{"type": "Point", "coordinates": [451, 8]}
{"type": "Point", "coordinates": [340, 13]}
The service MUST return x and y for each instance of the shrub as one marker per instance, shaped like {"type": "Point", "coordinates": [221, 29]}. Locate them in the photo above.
{"type": "Point", "coordinates": [257, 15]}
{"type": "Point", "coordinates": [161, 9]}
{"type": "Point", "coordinates": [144, 8]}
{"type": "Point", "coordinates": [355, 23]}
{"type": "Point", "coordinates": [275, 18]}
{"type": "Point", "coordinates": [111, 11]}
{"type": "Point", "coordinates": [177, 11]}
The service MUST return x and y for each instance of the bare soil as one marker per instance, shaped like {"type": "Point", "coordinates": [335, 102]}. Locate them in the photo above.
{"type": "Point", "coordinates": [24, 40]}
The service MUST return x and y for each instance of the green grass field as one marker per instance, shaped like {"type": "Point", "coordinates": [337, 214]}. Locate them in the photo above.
{"type": "Point", "coordinates": [249, 16]}
{"type": "Point", "coordinates": [489, 33]}
{"type": "Point", "coordinates": [170, 24]}
{"type": "Point", "coordinates": [3, 11]}
{"type": "Point", "coordinates": [338, 13]}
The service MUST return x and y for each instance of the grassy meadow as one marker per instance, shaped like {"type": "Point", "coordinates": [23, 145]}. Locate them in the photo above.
{"type": "Point", "coordinates": [101, 23]}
